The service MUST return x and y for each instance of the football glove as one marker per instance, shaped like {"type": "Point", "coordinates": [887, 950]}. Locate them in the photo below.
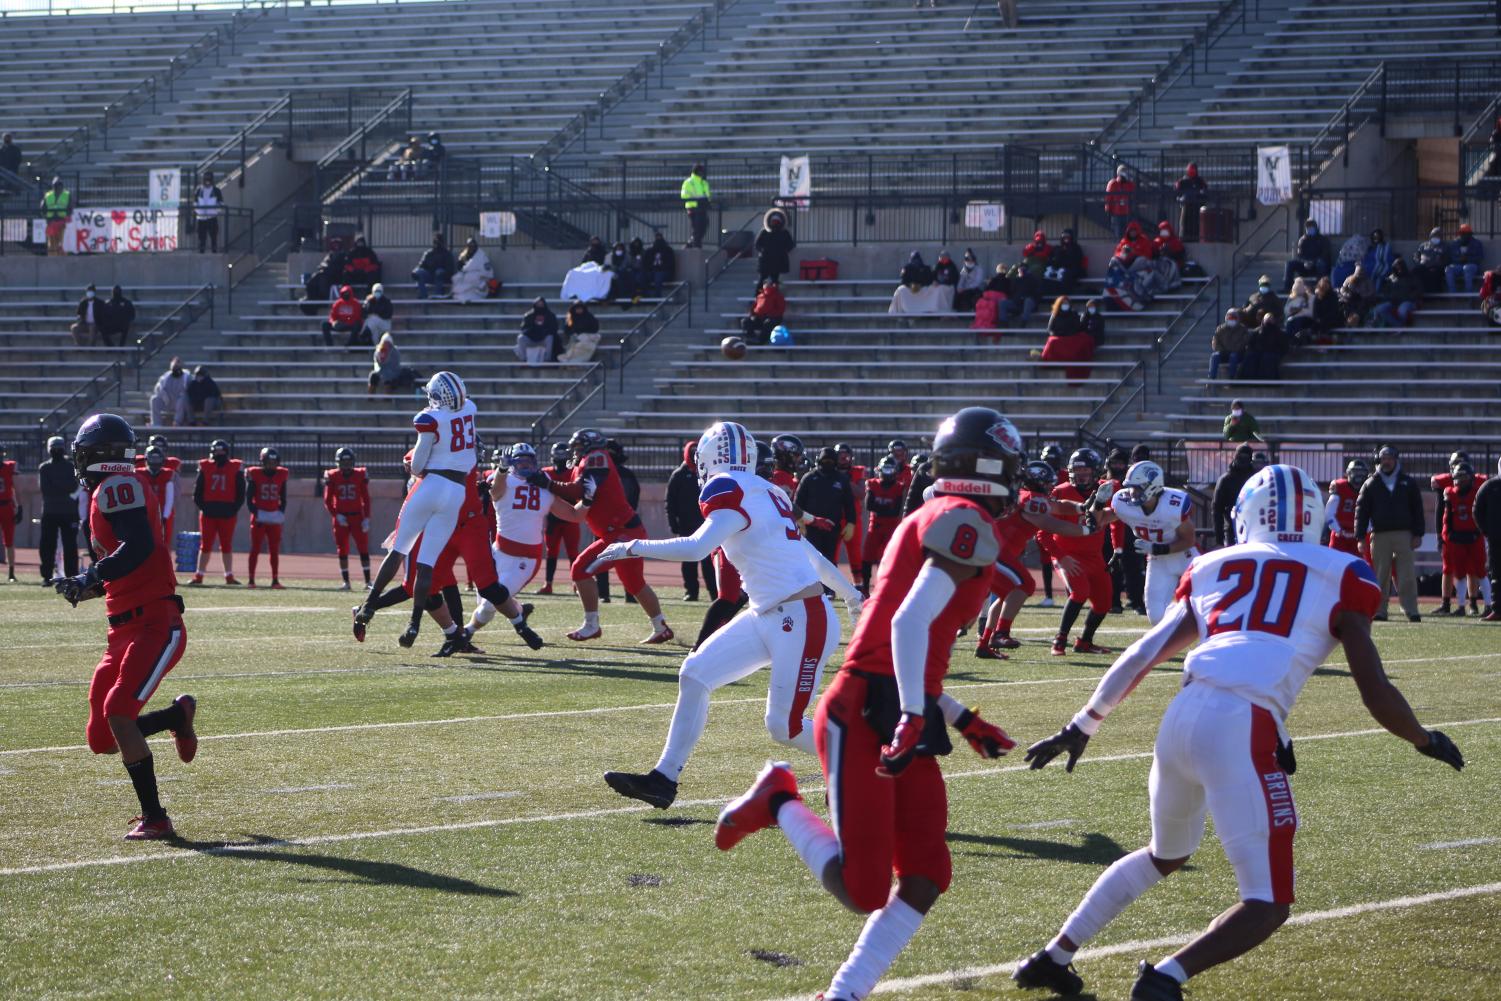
{"type": "Point", "coordinates": [897, 755]}
{"type": "Point", "coordinates": [341, 520]}
{"type": "Point", "coordinates": [1070, 739]}
{"type": "Point", "coordinates": [848, 532]}
{"type": "Point", "coordinates": [1103, 493]}
{"type": "Point", "coordinates": [1441, 748]}
{"type": "Point", "coordinates": [590, 487]}
{"type": "Point", "coordinates": [541, 481]}
{"type": "Point", "coordinates": [1114, 564]}
{"type": "Point", "coordinates": [614, 551]}
{"type": "Point", "coordinates": [364, 524]}
{"type": "Point", "coordinates": [988, 740]}
{"type": "Point", "coordinates": [1089, 521]}
{"type": "Point", "coordinates": [822, 524]}
{"type": "Point", "coordinates": [80, 587]}
{"type": "Point", "coordinates": [852, 607]}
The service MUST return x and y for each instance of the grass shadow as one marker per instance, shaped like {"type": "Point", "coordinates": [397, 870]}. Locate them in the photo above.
{"type": "Point", "coordinates": [1096, 849]}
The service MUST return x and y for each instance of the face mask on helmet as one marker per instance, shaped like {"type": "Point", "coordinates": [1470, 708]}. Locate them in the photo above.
{"type": "Point", "coordinates": [522, 459]}
{"type": "Point", "coordinates": [1356, 473]}
{"type": "Point", "coordinates": [977, 453]}
{"type": "Point", "coordinates": [155, 459]}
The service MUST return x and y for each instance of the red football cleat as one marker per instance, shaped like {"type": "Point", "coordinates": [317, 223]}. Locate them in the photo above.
{"type": "Point", "coordinates": [582, 633]}
{"type": "Point", "coordinates": [150, 830]}
{"type": "Point", "coordinates": [276, 585]}
{"type": "Point", "coordinates": [545, 589]}
{"type": "Point", "coordinates": [197, 580]}
{"type": "Point", "coordinates": [665, 636]}
{"type": "Point", "coordinates": [1006, 643]}
{"type": "Point", "coordinates": [987, 652]}
{"type": "Point", "coordinates": [249, 583]}
{"type": "Point", "coordinates": [1081, 646]}
{"type": "Point", "coordinates": [229, 579]}
{"type": "Point", "coordinates": [752, 811]}
{"type": "Point", "coordinates": [1060, 646]}
{"type": "Point", "coordinates": [185, 739]}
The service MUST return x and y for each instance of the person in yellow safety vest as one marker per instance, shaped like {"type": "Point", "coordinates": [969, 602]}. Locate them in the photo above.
{"type": "Point", "coordinates": [695, 196]}
{"type": "Point", "coordinates": [57, 207]}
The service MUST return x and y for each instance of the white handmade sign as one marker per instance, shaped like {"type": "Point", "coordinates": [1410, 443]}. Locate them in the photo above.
{"type": "Point", "coordinates": [121, 231]}
{"type": "Point", "coordinates": [1274, 175]}
{"type": "Point", "coordinates": [494, 225]}
{"type": "Point", "coordinates": [988, 217]}
{"type": "Point", "coordinates": [795, 180]}
{"type": "Point", "coordinates": [164, 187]}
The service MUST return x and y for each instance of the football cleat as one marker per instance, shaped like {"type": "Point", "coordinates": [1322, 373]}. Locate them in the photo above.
{"type": "Point", "coordinates": [1492, 615]}
{"type": "Point", "coordinates": [466, 642]}
{"type": "Point", "coordinates": [249, 583]}
{"type": "Point", "coordinates": [985, 651]}
{"type": "Point", "coordinates": [653, 787]}
{"type": "Point", "coordinates": [583, 633]}
{"type": "Point", "coordinates": [1045, 603]}
{"type": "Point", "coordinates": [360, 621]}
{"type": "Point", "coordinates": [545, 589]}
{"type": "Point", "coordinates": [1006, 643]}
{"type": "Point", "coordinates": [196, 581]}
{"type": "Point", "coordinates": [185, 739]}
{"type": "Point", "coordinates": [450, 644]}
{"type": "Point", "coordinates": [276, 585]}
{"type": "Point", "coordinates": [1060, 646]}
{"type": "Point", "coordinates": [752, 811]}
{"type": "Point", "coordinates": [1085, 646]}
{"type": "Point", "coordinates": [1040, 970]}
{"type": "Point", "coordinates": [150, 830]}
{"type": "Point", "coordinates": [344, 586]}
{"type": "Point", "coordinates": [409, 637]}
{"type": "Point", "coordinates": [229, 579]}
{"type": "Point", "coordinates": [661, 636]}
{"type": "Point", "coordinates": [529, 636]}
{"type": "Point", "coordinates": [1153, 986]}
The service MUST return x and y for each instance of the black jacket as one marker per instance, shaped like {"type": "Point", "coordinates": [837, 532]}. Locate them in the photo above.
{"type": "Point", "coordinates": [775, 248]}
{"type": "Point", "coordinates": [827, 494]}
{"type": "Point", "coordinates": [203, 389]}
{"type": "Point", "coordinates": [1488, 511]}
{"type": "Point", "coordinates": [921, 481]}
{"type": "Point", "coordinates": [58, 481]}
{"type": "Point", "coordinates": [1378, 509]}
{"type": "Point", "coordinates": [629, 485]}
{"type": "Point", "coordinates": [1226, 490]}
{"type": "Point", "coordinates": [1313, 247]}
{"type": "Point", "coordinates": [683, 514]}
{"type": "Point", "coordinates": [660, 257]}
{"type": "Point", "coordinates": [436, 259]}
{"type": "Point", "coordinates": [380, 306]}
{"type": "Point", "coordinates": [115, 315]}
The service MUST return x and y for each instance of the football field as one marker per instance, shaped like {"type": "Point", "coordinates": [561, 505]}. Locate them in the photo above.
{"type": "Point", "coordinates": [366, 822]}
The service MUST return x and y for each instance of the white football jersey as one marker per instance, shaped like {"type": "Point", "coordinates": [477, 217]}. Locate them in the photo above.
{"type": "Point", "coordinates": [769, 551]}
{"type": "Point", "coordinates": [521, 512]}
{"type": "Point", "coordinates": [1173, 508]}
{"type": "Point", "coordinates": [454, 448]}
{"type": "Point", "coordinates": [1266, 612]}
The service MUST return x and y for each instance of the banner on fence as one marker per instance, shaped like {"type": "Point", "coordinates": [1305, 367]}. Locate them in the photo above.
{"type": "Point", "coordinates": [985, 216]}
{"type": "Point", "coordinates": [120, 231]}
{"type": "Point", "coordinates": [1329, 213]}
{"type": "Point", "coordinates": [796, 181]}
{"type": "Point", "coordinates": [164, 185]}
{"type": "Point", "coordinates": [494, 225]}
{"type": "Point", "coordinates": [1274, 175]}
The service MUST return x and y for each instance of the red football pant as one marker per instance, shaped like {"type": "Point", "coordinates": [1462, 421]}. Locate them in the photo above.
{"type": "Point", "coordinates": [1091, 584]}
{"type": "Point", "coordinates": [137, 655]}
{"type": "Point", "coordinates": [1343, 545]}
{"type": "Point", "coordinates": [474, 547]}
{"type": "Point", "coordinates": [877, 536]}
{"type": "Point", "coordinates": [885, 825]}
{"type": "Point", "coordinates": [728, 584]}
{"type": "Point", "coordinates": [629, 571]}
{"type": "Point", "coordinates": [342, 534]}
{"type": "Point", "coordinates": [169, 536]}
{"type": "Point", "coordinates": [210, 529]}
{"type": "Point", "coordinates": [8, 524]}
{"type": "Point", "coordinates": [1464, 559]}
{"type": "Point", "coordinates": [562, 535]}
{"type": "Point", "coordinates": [854, 549]}
{"type": "Point", "coordinates": [1011, 575]}
{"type": "Point", "coordinates": [271, 536]}
{"type": "Point", "coordinates": [442, 569]}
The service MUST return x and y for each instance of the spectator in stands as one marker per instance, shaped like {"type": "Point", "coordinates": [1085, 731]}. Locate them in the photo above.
{"type": "Point", "coordinates": [1310, 258]}
{"type": "Point", "coordinates": [85, 329]}
{"type": "Point", "coordinates": [404, 167]}
{"type": "Point", "coordinates": [1297, 312]}
{"type": "Point", "coordinates": [596, 252]}
{"type": "Point", "coordinates": [1120, 200]}
{"type": "Point", "coordinates": [1067, 263]}
{"type": "Point", "coordinates": [388, 375]}
{"type": "Point", "coordinates": [1068, 341]}
{"type": "Point", "coordinates": [10, 154]}
{"type": "Point", "coordinates": [946, 272]}
{"type": "Point", "coordinates": [1265, 348]}
{"type": "Point", "coordinates": [971, 283]}
{"type": "Point", "coordinates": [990, 304]}
{"type": "Point", "coordinates": [1024, 292]}
{"type": "Point", "coordinates": [114, 318]}
{"type": "Point", "coordinates": [1227, 491]}
{"type": "Point", "coordinates": [57, 208]}
{"type": "Point", "coordinates": [1241, 425]}
{"type": "Point", "coordinates": [323, 284]}
{"type": "Point", "coordinates": [1328, 312]}
{"type": "Point", "coordinates": [1429, 262]}
{"type": "Point", "coordinates": [774, 245]}
{"type": "Point", "coordinates": [205, 402]}
{"type": "Point", "coordinates": [622, 275]}
{"type": "Point", "coordinates": [1038, 254]}
{"type": "Point", "coordinates": [208, 206]}
{"type": "Point", "coordinates": [362, 267]}
{"type": "Point", "coordinates": [1466, 260]}
{"type": "Point", "coordinates": [1263, 302]}
{"type": "Point", "coordinates": [1168, 245]}
{"type": "Point", "coordinates": [1189, 193]}
{"type": "Point", "coordinates": [1094, 321]}
{"type": "Point", "coordinates": [661, 263]}
{"type": "Point", "coordinates": [1228, 346]}
{"type": "Point", "coordinates": [471, 282]}
{"type": "Point", "coordinates": [1389, 528]}
{"type": "Point", "coordinates": [1356, 296]}
{"type": "Point", "coordinates": [915, 273]}
{"type": "Point", "coordinates": [379, 311]}
{"type": "Point", "coordinates": [1379, 257]}
{"type": "Point", "coordinates": [1490, 297]}
{"type": "Point", "coordinates": [1136, 240]}
{"type": "Point", "coordinates": [345, 316]}
{"type": "Point", "coordinates": [766, 311]}
{"type": "Point", "coordinates": [580, 323]}
{"type": "Point", "coordinates": [695, 196]}
{"type": "Point", "coordinates": [1398, 297]}
{"type": "Point", "coordinates": [539, 329]}
{"type": "Point", "coordinates": [1350, 255]}
{"type": "Point", "coordinates": [169, 398]}
{"type": "Point", "coordinates": [433, 152]}
{"type": "Point", "coordinates": [435, 268]}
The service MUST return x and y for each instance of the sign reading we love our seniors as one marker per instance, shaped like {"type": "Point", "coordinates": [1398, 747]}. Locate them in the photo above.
{"type": "Point", "coordinates": [120, 231]}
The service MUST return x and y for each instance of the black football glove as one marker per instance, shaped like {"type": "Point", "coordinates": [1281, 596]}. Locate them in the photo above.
{"type": "Point", "coordinates": [1114, 565]}
{"type": "Point", "coordinates": [80, 587]}
{"type": "Point", "coordinates": [1070, 739]}
{"type": "Point", "coordinates": [539, 479]}
{"type": "Point", "coordinates": [897, 755]}
{"type": "Point", "coordinates": [1090, 522]}
{"type": "Point", "coordinates": [1441, 748]}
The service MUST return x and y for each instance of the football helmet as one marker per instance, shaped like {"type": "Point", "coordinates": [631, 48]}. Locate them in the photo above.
{"type": "Point", "coordinates": [725, 447]}
{"type": "Point", "coordinates": [559, 454]}
{"type": "Point", "coordinates": [978, 453]}
{"type": "Point", "coordinates": [1278, 504]}
{"type": "Point", "coordinates": [586, 440]}
{"type": "Point", "coordinates": [155, 458]}
{"type": "Point", "coordinates": [1464, 473]}
{"type": "Point", "coordinates": [886, 469]}
{"type": "Point", "coordinates": [105, 444]}
{"type": "Point", "coordinates": [218, 448]}
{"type": "Point", "coordinates": [918, 461]}
{"type": "Point", "coordinates": [1039, 477]}
{"type": "Point", "coordinates": [1455, 458]}
{"type": "Point", "coordinates": [1084, 468]}
{"type": "Point", "coordinates": [157, 441]}
{"type": "Point", "coordinates": [1052, 454]}
{"type": "Point", "coordinates": [446, 391]}
{"type": "Point", "coordinates": [344, 458]}
{"type": "Point", "coordinates": [1356, 471]}
{"type": "Point", "coordinates": [897, 449]}
{"type": "Point", "coordinates": [787, 451]}
{"type": "Point", "coordinates": [1145, 479]}
{"type": "Point", "coordinates": [765, 463]}
{"type": "Point", "coordinates": [270, 457]}
{"type": "Point", "coordinates": [522, 458]}
{"type": "Point", "coordinates": [846, 455]}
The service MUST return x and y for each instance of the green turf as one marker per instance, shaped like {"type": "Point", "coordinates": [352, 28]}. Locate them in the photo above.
{"type": "Point", "coordinates": [545, 884]}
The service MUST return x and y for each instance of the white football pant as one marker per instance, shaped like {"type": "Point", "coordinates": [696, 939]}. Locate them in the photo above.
{"type": "Point", "coordinates": [1163, 574]}
{"type": "Point", "coordinates": [431, 511]}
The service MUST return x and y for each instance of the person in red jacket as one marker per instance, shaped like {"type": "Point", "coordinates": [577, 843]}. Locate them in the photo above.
{"type": "Point", "coordinates": [854, 551]}
{"type": "Point", "coordinates": [346, 496]}
{"type": "Point", "coordinates": [1464, 546]}
{"type": "Point", "coordinates": [8, 510]}
{"type": "Point", "coordinates": [219, 492]}
{"type": "Point", "coordinates": [562, 536]}
{"type": "Point", "coordinates": [1120, 197]}
{"type": "Point", "coordinates": [345, 316]}
{"type": "Point", "coordinates": [1139, 243]}
{"type": "Point", "coordinates": [1082, 559]}
{"type": "Point", "coordinates": [1169, 245]}
{"type": "Point", "coordinates": [1038, 253]}
{"type": "Point", "coordinates": [266, 490]}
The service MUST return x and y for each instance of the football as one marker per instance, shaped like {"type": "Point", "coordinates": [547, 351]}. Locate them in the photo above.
{"type": "Point", "coordinates": [733, 347]}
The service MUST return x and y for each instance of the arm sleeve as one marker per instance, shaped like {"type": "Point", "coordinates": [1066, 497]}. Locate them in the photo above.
{"type": "Point", "coordinates": [568, 491]}
{"type": "Point", "coordinates": [951, 708]}
{"type": "Point", "coordinates": [422, 451]}
{"type": "Point", "coordinates": [1331, 509]}
{"type": "Point", "coordinates": [1133, 665]}
{"type": "Point", "coordinates": [169, 500]}
{"type": "Point", "coordinates": [910, 626]}
{"type": "Point", "coordinates": [829, 574]}
{"type": "Point", "coordinates": [717, 527]}
{"type": "Point", "coordinates": [132, 526]}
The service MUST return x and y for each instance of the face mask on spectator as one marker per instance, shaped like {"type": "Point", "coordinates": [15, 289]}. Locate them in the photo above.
{"type": "Point", "coordinates": [1164, 233]}
{"type": "Point", "coordinates": [1264, 288]}
{"type": "Point", "coordinates": [1065, 307]}
{"type": "Point", "coordinates": [89, 293]}
{"type": "Point", "coordinates": [1236, 412]}
{"type": "Point", "coordinates": [1091, 311]}
{"type": "Point", "coordinates": [1434, 241]}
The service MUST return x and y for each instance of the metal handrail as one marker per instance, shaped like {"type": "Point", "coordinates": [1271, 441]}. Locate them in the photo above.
{"type": "Point", "coordinates": [1313, 161]}
{"type": "Point", "coordinates": [1141, 367]}
{"type": "Point", "coordinates": [150, 344]}
{"type": "Point", "coordinates": [728, 258]}
{"type": "Point", "coordinates": [1240, 257]}
{"type": "Point", "coordinates": [241, 138]}
{"type": "Point", "coordinates": [90, 393]}
{"type": "Point", "coordinates": [401, 101]}
{"type": "Point", "coordinates": [1163, 357]}
{"type": "Point", "coordinates": [628, 353]}
{"type": "Point", "coordinates": [540, 427]}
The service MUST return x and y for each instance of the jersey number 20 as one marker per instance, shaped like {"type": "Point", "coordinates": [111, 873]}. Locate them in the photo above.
{"type": "Point", "coordinates": [1262, 578]}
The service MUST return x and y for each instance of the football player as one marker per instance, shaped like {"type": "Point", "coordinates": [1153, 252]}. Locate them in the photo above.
{"type": "Point", "coordinates": [918, 477]}
{"type": "Point", "coordinates": [881, 724]}
{"type": "Point", "coordinates": [883, 504]}
{"type": "Point", "coordinates": [789, 624]}
{"type": "Point", "coordinates": [9, 511]}
{"type": "Point", "coordinates": [597, 483]}
{"type": "Point", "coordinates": [266, 488]}
{"type": "Point", "coordinates": [1081, 559]}
{"type": "Point", "coordinates": [562, 536]}
{"type": "Point", "coordinates": [346, 496]}
{"type": "Point", "coordinates": [1339, 511]}
{"type": "Point", "coordinates": [1441, 484]}
{"type": "Point", "coordinates": [146, 635]}
{"type": "Point", "coordinates": [854, 548]}
{"type": "Point", "coordinates": [897, 449]}
{"type": "Point", "coordinates": [1052, 453]}
{"type": "Point", "coordinates": [219, 493]}
{"type": "Point", "coordinates": [159, 441]}
{"type": "Point", "coordinates": [1464, 546]}
{"type": "Point", "coordinates": [443, 458]}
{"type": "Point", "coordinates": [1160, 519]}
{"type": "Point", "coordinates": [164, 483]}
{"type": "Point", "coordinates": [787, 457]}
{"type": "Point", "coordinates": [1266, 612]}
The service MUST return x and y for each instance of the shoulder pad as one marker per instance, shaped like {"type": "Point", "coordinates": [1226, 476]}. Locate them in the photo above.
{"type": "Point", "coordinates": [119, 493]}
{"type": "Point", "coordinates": [425, 421]}
{"type": "Point", "coordinates": [720, 493]}
{"type": "Point", "coordinates": [962, 534]}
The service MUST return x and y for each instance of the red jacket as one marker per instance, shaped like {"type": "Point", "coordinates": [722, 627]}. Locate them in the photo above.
{"type": "Point", "coordinates": [346, 310]}
{"type": "Point", "coordinates": [770, 303]}
{"type": "Point", "coordinates": [1118, 196]}
{"type": "Point", "coordinates": [1139, 242]}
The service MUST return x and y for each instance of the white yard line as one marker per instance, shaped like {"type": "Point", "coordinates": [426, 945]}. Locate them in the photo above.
{"type": "Point", "coordinates": [1466, 843]}
{"type": "Point", "coordinates": [292, 790]}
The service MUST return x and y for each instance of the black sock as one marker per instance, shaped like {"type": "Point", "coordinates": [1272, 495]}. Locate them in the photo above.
{"type": "Point", "coordinates": [170, 718]}
{"type": "Point", "coordinates": [720, 611]}
{"type": "Point", "coordinates": [344, 572]}
{"type": "Point", "coordinates": [455, 603]}
{"type": "Point", "coordinates": [1070, 616]}
{"type": "Point", "coordinates": [552, 568]}
{"type": "Point", "coordinates": [865, 569]}
{"type": "Point", "coordinates": [1091, 623]}
{"type": "Point", "coordinates": [386, 599]}
{"type": "Point", "coordinates": [143, 776]}
{"type": "Point", "coordinates": [1047, 578]}
{"type": "Point", "coordinates": [416, 621]}
{"type": "Point", "coordinates": [365, 565]}
{"type": "Point", "coordinates": [603, 582]}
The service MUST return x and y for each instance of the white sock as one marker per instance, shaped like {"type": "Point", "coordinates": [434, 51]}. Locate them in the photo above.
{"type": "Point", "coordinates": [1485, 589]}
{"type": "Point", "coordinates": [483, 612]}
{"type": "Point", "coordinates": [1057, 953]}
{"type": "Point", "coordinates": [1116, 888]}
{"type": "Point", "coordinates": [1461, 588]}
{"type": "Point", "coordinates": [885, 935]}
{"type": "Point", "coordinates": [659, 623]}
{"type": "Point", "coordinates": [689, 717]}
{"type": "Point", "coordinates": [1172, 968]}
{"type": "Point", "coordinates": [450, 629]}
{"type": "Point", "coordinates": [519, 619]}
{"type": "Point", "coordinates": [591, 620]}
{"type": "Point", "coordinates": [811, 838]}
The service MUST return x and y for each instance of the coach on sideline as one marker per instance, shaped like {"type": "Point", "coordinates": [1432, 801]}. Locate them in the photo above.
{"type": "Point", "coordinates": [1390, 508]}
{"type": "Point", "coordinates": [1488, 517]}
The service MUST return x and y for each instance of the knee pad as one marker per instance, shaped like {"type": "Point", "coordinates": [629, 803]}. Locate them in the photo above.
{"type": "Point", "coordinates": [779, 727]}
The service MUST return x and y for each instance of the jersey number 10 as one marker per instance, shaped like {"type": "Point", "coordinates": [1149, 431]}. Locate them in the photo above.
{"type": "Point", "coordinates": [1262, 578]}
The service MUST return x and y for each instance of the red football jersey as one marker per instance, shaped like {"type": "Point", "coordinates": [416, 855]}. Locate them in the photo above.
{"type": "Point", "coordinates": [267, 490]}
{"type": "Point", "coordinates": [958, 529]}
{"type": "Point", "coordinates": [785, 480]}
{"type": "Point", "coordinates": [171, 462]}
{"type": "Point", "coordinates": [347, 493]}
{"type": "Point", "coordinates": [1459, 510]}
{"type": "Point", "coordinates": [8, 482]}
{"type": "Point", "coordinates": [609, 513]}
{"type": "Point", "coordinates": [1344, 513]}
{"type": "Point", "coordinates": [219, 481]}
{"type": "Point", "coordinates": [1443, 481]}
{"type": "Point", "coordinates": [1080, 547]}
{"type": "Point", "coordinates": [882, 501]}
{"type": "Point", "coordinates": [1014, 531]}
{"type": "Point", "coordinates": [151, 580]}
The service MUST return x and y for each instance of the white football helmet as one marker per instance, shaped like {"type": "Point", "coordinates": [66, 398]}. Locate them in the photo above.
{"type": "Point", "coordinates": [522, 458]}
{"type": "Point", "coordinates": [1278, 504]}
{"type": "Point", "coordinates": [446, 391]}
{"type": "Point", "coordinates": [1146, 479]}
{"type": "Point", "coordinates": [726, 446]}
